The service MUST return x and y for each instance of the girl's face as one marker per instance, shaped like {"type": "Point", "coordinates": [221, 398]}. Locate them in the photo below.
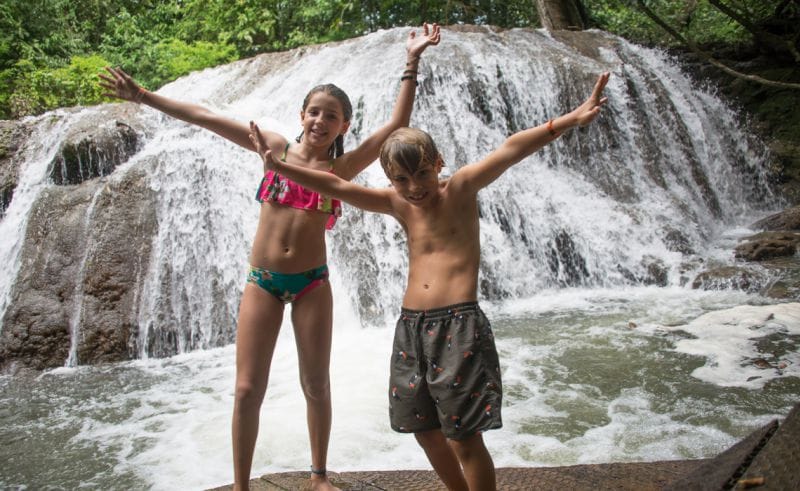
{"type": "Point", "coordinates": [323, 120]}
{"type": "Point", "coordinates": [420, 188]}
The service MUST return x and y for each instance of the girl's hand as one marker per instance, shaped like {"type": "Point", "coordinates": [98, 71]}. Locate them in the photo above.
{"type": "Point", "coordinates": [586, 112]}
{"type": "Point", "coordinates": [262, 149]}
{"type": "Point", "coordinates": [120, 85]}
{"type": "Point", "coordinates": [416, 45]}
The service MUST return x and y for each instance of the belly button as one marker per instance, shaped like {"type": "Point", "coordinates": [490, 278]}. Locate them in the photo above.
{"type": "Point", "coordinates": [286, 250]}
{"type": "Point", "coordinates": [425, 286]}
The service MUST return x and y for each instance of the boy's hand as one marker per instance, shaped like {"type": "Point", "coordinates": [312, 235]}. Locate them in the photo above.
{"type": "Point", "coordinates": [586, 112]}
{"type": "Point", "coordinates": [262, 149]}
{"type": "Point", "coordinates": [416, 45]}
{"type": "Point", "coordinates": [119, 85]}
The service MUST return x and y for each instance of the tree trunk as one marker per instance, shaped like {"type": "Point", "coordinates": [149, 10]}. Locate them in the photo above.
{"type": "Point", "coordinates": [560, 14]}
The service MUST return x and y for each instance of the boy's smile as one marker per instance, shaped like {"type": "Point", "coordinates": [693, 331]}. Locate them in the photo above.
{"type": "Point", "coordinates": [418, 188]}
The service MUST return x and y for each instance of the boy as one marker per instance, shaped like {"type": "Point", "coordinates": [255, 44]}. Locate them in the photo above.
{"type": "Point", "coordinates": [445, 378]}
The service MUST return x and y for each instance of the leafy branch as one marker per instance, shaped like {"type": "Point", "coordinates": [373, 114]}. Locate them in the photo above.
{"type": "Point", "coordinates": [767, 38]}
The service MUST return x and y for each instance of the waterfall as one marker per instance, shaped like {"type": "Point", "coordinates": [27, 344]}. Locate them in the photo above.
{"type": "Point", "coordinates": [639, 196]}
{"type": "Point", "coordinates": [32, 180]}
{"type": "Point", "coordinates": [77, 304]}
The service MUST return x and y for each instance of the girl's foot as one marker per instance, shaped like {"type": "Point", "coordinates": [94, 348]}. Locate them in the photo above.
{"type": "Point", "coordinates": [321, 483]}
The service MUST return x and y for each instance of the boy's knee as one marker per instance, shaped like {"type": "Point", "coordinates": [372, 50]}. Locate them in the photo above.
{"type": "Point", "coordinates": [430, 438]}
{"type": "Point", "coordinates": [469, 447]}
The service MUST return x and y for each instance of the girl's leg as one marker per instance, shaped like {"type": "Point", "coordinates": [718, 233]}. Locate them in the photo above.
{"type": "Point", "coordinates": [260, 316]}
{"type": "Point", "coordinates": [442, 458]}
{"type": "Point", "coordinates": [312, 317]}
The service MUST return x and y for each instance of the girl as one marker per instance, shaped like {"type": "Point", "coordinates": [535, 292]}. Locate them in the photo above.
{"type": "Point", "coordinates": [288, 258]}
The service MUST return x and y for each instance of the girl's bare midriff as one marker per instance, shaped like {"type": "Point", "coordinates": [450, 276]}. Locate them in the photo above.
{"type": "Point", "coordinates": [289, 240]}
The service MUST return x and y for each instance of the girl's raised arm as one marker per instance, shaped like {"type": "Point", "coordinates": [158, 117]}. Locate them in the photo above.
{"type": "Point", "coordinates": [355, 161]}
{"type": "Point", "coordinates": [122, 86]}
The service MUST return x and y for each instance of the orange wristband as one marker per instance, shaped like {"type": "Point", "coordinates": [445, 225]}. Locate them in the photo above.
{"type": "Point", "coordinates": [552, 130]}
{"type": "Point", "coordinates": [139, 95]}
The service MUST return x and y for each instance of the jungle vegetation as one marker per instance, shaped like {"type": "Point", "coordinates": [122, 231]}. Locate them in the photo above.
{"type": "Point", "coordinates": [50, 50]}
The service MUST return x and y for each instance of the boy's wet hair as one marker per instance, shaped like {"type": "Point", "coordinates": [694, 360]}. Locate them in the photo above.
{"type": "Point", "coordinates": [408, 149]}
{"type": "Point", "coordinates": [337, 147]}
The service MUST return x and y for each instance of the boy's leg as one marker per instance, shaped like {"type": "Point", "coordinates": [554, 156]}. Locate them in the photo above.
{"type": "Point", "coordinates": [476, 461]}
{"type": "Point", "coordinates": [442, 458]}
{"type": "Point", "coordinates": [260, 316]}
{"type": "Point", "coordinates": [312, 317]}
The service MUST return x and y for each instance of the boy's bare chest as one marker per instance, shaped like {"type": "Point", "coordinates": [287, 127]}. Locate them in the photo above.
{"type": "Point", "coordinates": [441, 229]}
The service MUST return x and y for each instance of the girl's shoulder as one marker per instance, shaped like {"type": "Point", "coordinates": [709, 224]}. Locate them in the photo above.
{"type": "Point", "coordinates": [341, 166]}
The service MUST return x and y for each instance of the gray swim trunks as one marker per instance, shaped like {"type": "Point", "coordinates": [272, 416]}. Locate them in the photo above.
{"type": "Point", "coordinates": [445, 372]}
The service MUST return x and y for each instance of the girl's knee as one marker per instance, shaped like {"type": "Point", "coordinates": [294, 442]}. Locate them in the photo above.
{"type": "Point", "coordinates": [316, 389]}
{"type": "Point", "coordinates": [248, 393]}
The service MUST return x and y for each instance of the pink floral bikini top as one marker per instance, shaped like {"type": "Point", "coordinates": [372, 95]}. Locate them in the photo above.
{"type": "Point", "coordinates": [278, 189]}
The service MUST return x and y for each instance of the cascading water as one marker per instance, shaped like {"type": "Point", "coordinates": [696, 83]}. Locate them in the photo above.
{"type": "Point", "coordinates": [600, 207]}
{"type": "Point", "coordinates": [75, 317]}
{"type": "Point", "coordinates": [597, 365]}
{"type": "Point", "coordinates": [32, 180]}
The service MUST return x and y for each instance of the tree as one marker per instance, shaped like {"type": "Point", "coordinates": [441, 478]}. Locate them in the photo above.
{"type": "Point", "coordinates": [778, 32]}
{"type": "Point", "coordinates": [561, 14]}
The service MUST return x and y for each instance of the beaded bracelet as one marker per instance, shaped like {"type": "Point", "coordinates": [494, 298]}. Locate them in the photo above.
{"type": "Point", "coordinates": [409, 77]}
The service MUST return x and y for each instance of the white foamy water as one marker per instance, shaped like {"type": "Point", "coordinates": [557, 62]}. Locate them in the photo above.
{"type": "Point", "coordinates": [745, 346]}
{"type": "Point", "coordinates": [581, 386]}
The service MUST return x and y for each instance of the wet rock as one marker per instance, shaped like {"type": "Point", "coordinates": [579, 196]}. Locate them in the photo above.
{"type": "Point", "coordinates": [36, 326]}
{"type": "Point", "coordinates": [73, 273]}
{"type": "Point", "coordinates": [565, 262]}
{"type": "Point", "coordinates": [767, 245]}
{"type": "Point", "coordinates": [729, 278]}
{"type": "Point", "coordinates": [655, 272]}
{"type": "Point", "coordinates": [12, 138]}
{"type": "Point", "coordinates": [676, 241]}
{"type": "Point", "coordinates": [93, 150]}
{"type": "Point", "coordinates": [785, 220]}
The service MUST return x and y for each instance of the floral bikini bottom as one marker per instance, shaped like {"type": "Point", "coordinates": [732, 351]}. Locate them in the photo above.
{"type": "Point", "coordinates": [288, 287]}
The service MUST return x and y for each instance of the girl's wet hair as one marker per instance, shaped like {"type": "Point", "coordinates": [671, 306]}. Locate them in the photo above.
{"type": "Point", "coordinates": [409, 149]}
{"type": "Point", "coordinates": [337, 147]}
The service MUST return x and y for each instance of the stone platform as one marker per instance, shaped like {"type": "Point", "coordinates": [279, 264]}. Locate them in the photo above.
{"type": "Point", "coordinates": [767, 459]}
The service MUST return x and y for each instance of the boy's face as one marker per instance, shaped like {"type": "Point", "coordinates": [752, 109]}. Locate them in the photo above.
{"type": "Point", "coordinates": [421, 187]}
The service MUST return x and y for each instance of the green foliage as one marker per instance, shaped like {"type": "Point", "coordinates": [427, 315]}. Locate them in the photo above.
{"type": "Point", "coordinates": [46, 45]}
{"type": "Point", "coordinates": [696, 20]}
{"type": "Point", "coordinates": [246, 25]}
{"type": "Point", "coordinates": [171, 59]}
{"type": "Point", "coordinates": [32, 90]}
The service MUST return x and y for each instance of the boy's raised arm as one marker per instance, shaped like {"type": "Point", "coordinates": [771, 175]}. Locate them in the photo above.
{"type": "Point", "coordinates": [327, 183]}
{"type": "Point", "coordinates": [366, 153]}
{"type": "Point", "coordinates": [523, 143]}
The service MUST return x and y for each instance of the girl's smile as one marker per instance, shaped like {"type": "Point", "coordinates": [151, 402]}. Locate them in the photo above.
{"type": "Point", "coordinates": [323, 119]}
